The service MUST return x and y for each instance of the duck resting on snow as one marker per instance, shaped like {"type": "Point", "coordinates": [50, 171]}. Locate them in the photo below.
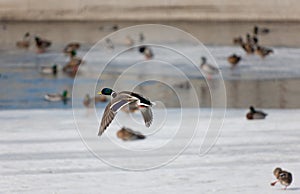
{"type": "Point", "coordinates": [127, 134]}
{"type": "Point", "coordinates": [255, 114]}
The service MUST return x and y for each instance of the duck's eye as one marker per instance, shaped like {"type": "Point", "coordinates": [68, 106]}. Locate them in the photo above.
{"type": "Point", "coordinates": [282, 175]}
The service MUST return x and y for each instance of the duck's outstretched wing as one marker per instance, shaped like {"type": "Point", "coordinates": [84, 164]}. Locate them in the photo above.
{"type": "Point", "coordinates": [147, 115]}
{"type": "Point", "coordinates": [110, 112]}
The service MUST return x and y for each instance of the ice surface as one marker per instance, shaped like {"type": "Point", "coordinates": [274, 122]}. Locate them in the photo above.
{"type": "Point", "coordinates": [41, 152]}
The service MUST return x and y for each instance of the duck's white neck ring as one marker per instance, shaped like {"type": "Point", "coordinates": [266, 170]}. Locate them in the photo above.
{"type": "Point", "coordinates": [113, 94]}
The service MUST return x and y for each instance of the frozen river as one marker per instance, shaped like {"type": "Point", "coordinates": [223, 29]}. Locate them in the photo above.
{"type": "Point", "coordinates": [22, 86]}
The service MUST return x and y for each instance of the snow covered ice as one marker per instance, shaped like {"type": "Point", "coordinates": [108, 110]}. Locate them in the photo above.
{"type": "Point", "coordinates": [48, 156]}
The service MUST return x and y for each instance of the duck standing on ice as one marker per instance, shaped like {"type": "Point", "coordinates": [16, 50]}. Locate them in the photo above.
{"type": "Point", "coordinates": [208, 69]}
{"type": "Point", "coordinates": [282, 176]}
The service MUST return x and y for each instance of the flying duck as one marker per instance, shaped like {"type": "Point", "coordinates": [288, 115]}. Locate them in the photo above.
{"type": "Point", "coordinates": [119, 100]}
{"type": "Point", "coordinates": [255, 114]}
{"type": "Point", "coordinates": [284, 177]}
{"type": "Point", "coordinates": [127, 134]}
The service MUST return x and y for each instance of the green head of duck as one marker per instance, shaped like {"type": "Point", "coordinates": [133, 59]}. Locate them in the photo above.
{"type": "Point", "coordinates": [54, 69]}
{"type": "Point", "coordinates": [65, 93]}
{"type": "Point", "coordinates": [106, 91]}
{"type": "Point", "coordinates": [73, 53]}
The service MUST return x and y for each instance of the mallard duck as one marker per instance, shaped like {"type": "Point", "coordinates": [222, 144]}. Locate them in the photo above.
{"type": "Point", "coordinates": [57, 97]}
{"type": "Point", "coordinates": [72, 66]}
{"type": "Point", "coordinates": [234, 60]}
{"type": "Point", "coordinates": [252, 40]}
{"type": "Point", "coordinates": [119, 100]}
{"type": "Point", "coordinates": [284, 177]}
{"type": "Point", "coordinates": [49, 70]}
{"type": "Point", "coordinates": [75, 61]}
{"type": "Point", "coordinates": [25, 43]}
{"type": "Point", "coordinates": [127, 134]}
{"type": "Point", "coordinates": [260, 31]}
{"type": "Point", "coordinates": [73, 46]}
{"type": "Point", "coordinates": [247, 47]}
{"type": "Point", "coordinates": [208, 68]}
{"type": "Point", "coordinates": [88, 101]}
{"type": "Point", "coordinates": [263, 51]}
{"type": "Point", "coordinates": [255, 114]}
{"type": "Point", "coordinates": [42, 44]}
{"type": "Point", "coordinates": [146, 51]}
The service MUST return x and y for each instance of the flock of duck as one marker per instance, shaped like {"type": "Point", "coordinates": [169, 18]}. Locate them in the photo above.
{"type": "Point", "coordinates": [250, 45]}
{"type": "Point", "coordinates": [71, 67]}
{"type": "Point", "coordinates": [130, 102]}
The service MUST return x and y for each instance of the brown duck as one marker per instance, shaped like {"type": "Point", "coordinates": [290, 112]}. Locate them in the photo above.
{"type": "Point", "coordinates": [72, 46]}
{"type": "Point", "coordinates": [246, 46]}
{"type": "Point", "coordinates": [72, 66]}
{"type": "Point", "coordinates": [25, 42]}
{"type": "Point", "coordinates": [284, 177]}
{"type": "Point", "coordinates": [234, 60]}
{"type": "Point", "coordinates": [127, 134]}
{"type": "Point", "coordinates": [263, 51]}
{"type": "Point", "coordinates": [41, 44]}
